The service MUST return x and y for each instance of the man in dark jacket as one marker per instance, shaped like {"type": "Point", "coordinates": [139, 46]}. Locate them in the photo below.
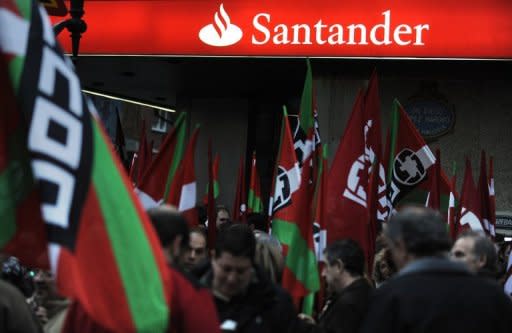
{"type": "Point", "coordinates": [246, 301]}
{"type": "Point", "coordinates": [431, 293]}
{"type": "Point", "coordinates": [343, 271]}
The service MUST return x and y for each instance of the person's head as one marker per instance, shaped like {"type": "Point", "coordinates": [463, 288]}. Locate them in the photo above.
{"type": "Point", "coordinates": [344, 262]}
{"type": "Point", "coordinates": [222, 216]}
{"type": "Point", "coordinates": [172, 230]}
{"type": "Point", "coordinates": [476, 251]}
{"type": "Point", "coordinates": [257, 221]}
{"type": "Point", "coordinates": [415, 232]}
{"type": "Point", "coordinates": [233, 260]}
{"type": "Point", "coordinates": [383, 266]}
{"type": "Point", "coordinates": [197, 251]}
{"type": "Point", "coordinates": [269, 255]}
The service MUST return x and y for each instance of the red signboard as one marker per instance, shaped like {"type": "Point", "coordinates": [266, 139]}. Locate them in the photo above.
{"type": "Point", "coordinates": [323, 28]}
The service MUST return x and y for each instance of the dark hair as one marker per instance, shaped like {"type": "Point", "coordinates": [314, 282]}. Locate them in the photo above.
{"type": "Point", "coordinates": [199, 230]}
{"type": "Point", "coordinates": [221, 208]}
{"type": "Point", "coordinates": [258, 220]}
{"type": "Point", "coordinates": [349, 253]}
{"type": "Point", "coordinates": [238, 240]}
{"type": "Point", "coordinates": [483, 247]}
{"type": "Point", "coordinates": [169, 224]}
{"type": "Point", "coordinates": [422, 230]}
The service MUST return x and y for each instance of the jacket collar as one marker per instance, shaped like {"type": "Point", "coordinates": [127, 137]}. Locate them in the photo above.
{"type": "Point", "coordinates": [434, 264]}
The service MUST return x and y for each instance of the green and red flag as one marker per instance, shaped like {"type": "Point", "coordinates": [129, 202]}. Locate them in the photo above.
{"type": "Point", "coordinates": [254, 203]}
{"type": "Point", "coordinates": [102, 248]}
{"type": "Point", "coordinates": [183, 192]}
{"type": "Point", "coordinates": [410, 163]}
{"type": "Point", "coordinates": [240, 203]}
{"type": "Point", "coordinates": [216, 190]}
{"type": "Point", "coordinates": [152, 190]}
{"type": "Point", "coordinates": [291, 220]}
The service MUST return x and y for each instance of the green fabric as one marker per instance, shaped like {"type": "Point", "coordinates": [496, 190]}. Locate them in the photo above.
{"type": "Point", "coordinates": [16, 183]}
{"type": "Point", "coordinates": [134, 255]}
{"type": "Point", "coordinates": [254, 203]}
{"type": "Point", "coordinates": [307, 121]}
{"type": "Point", "coordinates": [300, 259]}
{"type": "Point", "coordinates": [179, 150]}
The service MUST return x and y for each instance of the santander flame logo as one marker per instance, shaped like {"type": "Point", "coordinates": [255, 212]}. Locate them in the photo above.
{"type": "Point", "coordinates": [223, 32]}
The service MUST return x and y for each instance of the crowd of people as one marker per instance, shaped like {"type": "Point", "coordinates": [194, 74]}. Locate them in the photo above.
{"type": "Point", "coordinates": [420, 282]}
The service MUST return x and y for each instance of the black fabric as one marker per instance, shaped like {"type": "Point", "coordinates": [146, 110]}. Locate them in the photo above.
{"type": "Point", "coordinates": [264, 308]}
{"type": "Point", "coordinates": [346, 310]}
{"type": "Point", "coordinates": [15, 315]}
{"type": "Point", "coordinates": [435, 295]}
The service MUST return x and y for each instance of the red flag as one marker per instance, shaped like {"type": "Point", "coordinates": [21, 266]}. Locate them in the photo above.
{"type": "Point", "coordinates": [210, 206]}
{"type": "Point", "coordinates": [346, 194]}
{"type": "Point", "coordinates": [434, 195]}
{"type": "Point", "coordinates": [156, 181]}
{"type": "Point", "coordinates": [373, 193]}
{"type": "Point", "coordinates": [492, 198]}
{"type": "Point", "coordinates": [183, 190]}
{"type": "Point", "coordinates": [469, 202]}
{"type": "Point", "coordinates": [240, 204]}
{"type": "Point", "coordinates": [410, 163]}
{"type": "Point", "coordinates": [373, 142]}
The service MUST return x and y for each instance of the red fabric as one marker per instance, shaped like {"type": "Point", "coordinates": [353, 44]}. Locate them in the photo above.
{"type": "Point", "coordinates": [469, 214]}
{"type": "Point", "coordinates": [29, 241]}
{"type": "Point", "coordinates": [185, 175]}
{"type": "Point", "coordinates": [434, 195]}
{"type": "Point", "coordinates": [192, 311]}
{"type": "Point", "coordinates": [88, 277]}
{"type": "Point", "coordinates": [483, 193]}
{"type": "Point", "coordinates": [154, 179]}
{"type": "Point", "coordinates": [346, 210]}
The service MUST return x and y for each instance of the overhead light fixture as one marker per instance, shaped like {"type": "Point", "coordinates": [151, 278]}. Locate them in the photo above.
{"type": "Point", "coordinates": [127, 100]}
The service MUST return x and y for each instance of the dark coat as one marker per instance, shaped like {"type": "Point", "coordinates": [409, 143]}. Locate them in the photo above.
{"type": "Point", "coordinates": [264, 308]}
{"type": "Point", "coordinates": [436, 295]}
{"type": "Point", "coordinates": [15, 314]}
{"type": "Point", "coordinates": [346, 310]}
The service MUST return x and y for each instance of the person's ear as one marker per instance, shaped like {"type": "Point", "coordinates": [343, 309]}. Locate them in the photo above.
{"type": "Point", "coordinates": [481, 261]}
{"type": "Point", "coordinates": [339, 265]}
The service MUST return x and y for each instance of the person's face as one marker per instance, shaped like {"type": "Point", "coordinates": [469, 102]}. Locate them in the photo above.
{"type": "Point", "coordinates": [464, 251]}
{"type": "Point", "coordinates": [222, 217]}
{"type": "Point", "coordinates": [197, 250]}
{"type": "Point", "coordinates": [231, 274]}
{"type": "Point", "coordinates": [331, 274]}
{"type": "Point", "coordinates": [385, 270]}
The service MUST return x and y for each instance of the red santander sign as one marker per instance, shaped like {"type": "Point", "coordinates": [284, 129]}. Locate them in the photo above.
{"type": "Point", "coordinates": [479, 29]}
